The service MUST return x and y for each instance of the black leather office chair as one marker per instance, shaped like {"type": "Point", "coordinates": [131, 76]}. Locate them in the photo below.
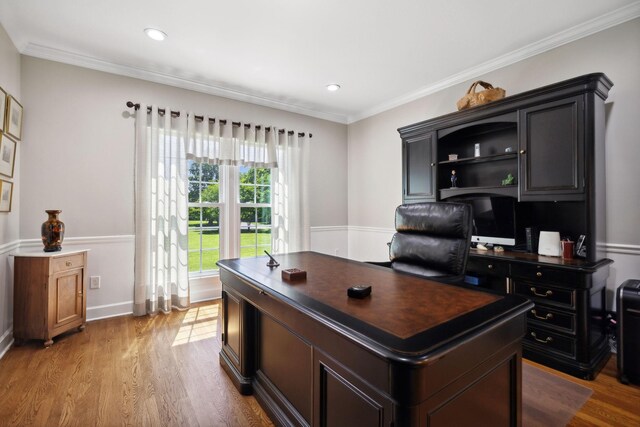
{"type": "Point", "coordinates": [432, 240]}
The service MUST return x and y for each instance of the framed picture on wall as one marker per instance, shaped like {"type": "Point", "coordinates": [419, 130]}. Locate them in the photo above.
{"type": "Point", "coordinates": [6, 193]}
{"type": "Point", "coordinates": [3, 108]}
{"type": "Point", "coordinates": [13, 124]}
{"type": "Point", "coordinates": [7, 156]}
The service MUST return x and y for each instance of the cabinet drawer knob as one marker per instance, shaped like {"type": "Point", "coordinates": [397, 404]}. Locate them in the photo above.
{"type": "Point", "coordinates": [548, 293]}
{"type": "Point", "coordinates": [68, 263]}
{"type": "Point", "coordinates": [433, 164]}
{"type": "Point", "coordinates": [539, 274]}
{"type": "Point", "coordinates": [490, 266]}
{"type": "Point", "coordinates": [523, 151]}
{"type": "Point", "coordinates": [549, 316]}
{"type": "Point", "coordinates": [544, 341]}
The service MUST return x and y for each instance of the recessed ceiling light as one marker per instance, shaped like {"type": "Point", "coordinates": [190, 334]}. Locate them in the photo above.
{"type": "Point", "coordinates": [155, 34]}
{"type": "Point", "coordinates": [333, 87]}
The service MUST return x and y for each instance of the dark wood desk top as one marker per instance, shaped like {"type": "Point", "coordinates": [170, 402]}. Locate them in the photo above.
{"type": "Point", "coordinates": [402, 312]}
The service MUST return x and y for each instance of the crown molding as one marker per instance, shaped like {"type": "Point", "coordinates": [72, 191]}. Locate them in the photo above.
{"type": "Point", "coordinates": [593, 26]}
{"type": "Point", "coordinates": [58, 55]}
{"type": "Point", "coordinates": [611, 19]}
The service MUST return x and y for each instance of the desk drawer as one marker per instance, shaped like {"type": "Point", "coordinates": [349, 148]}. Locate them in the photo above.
{"type": "Point", "coordinates": [545, 294]}
{"type": "Point", "coordinates": [549, 341]}
{"type": "Point", "coordinates": [68, 262]}
{"type": "Point", "coordinates": [538, 273]}
{"type": "Point", "coordinates": [555, 319]}
{"type": "Point", "coordinates": [487, 267]}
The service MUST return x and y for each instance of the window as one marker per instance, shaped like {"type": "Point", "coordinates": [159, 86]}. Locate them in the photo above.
{"type": "Point", "coordinates": [255, 211]}
{"type": "Point", "coordinates": [204, 216]}
{"type": "Point", "coordinates": [248, 213]}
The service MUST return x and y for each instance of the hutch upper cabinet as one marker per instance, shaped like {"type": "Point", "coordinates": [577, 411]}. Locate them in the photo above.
{"type": "Point", "coordinates": [550, 140]}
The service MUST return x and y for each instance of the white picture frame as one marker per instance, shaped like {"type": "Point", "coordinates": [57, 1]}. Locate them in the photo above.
{"type": "Point", "coordinates": [7, 155]}
{"type": "Point", "coordinates": [6, 195]}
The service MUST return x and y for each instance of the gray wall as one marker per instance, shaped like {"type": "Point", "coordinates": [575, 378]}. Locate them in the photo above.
{"type": "Point", "coordinates": [374, 168]}
{"type": "Point", "coordinates": [9, 222]}
{"type": "Point", "coordinates": [81, 157]}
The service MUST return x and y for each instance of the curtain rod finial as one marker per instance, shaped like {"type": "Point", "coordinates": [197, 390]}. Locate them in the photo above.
{"type": "Point", "coordinates": [132, 105]}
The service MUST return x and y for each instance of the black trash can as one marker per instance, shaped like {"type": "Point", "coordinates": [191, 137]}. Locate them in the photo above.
{"type": "Point", "coordinates": [628, 307]}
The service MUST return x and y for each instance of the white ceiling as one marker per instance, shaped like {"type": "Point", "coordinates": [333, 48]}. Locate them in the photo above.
{"type": "Point", "coordinates": [282, 53]}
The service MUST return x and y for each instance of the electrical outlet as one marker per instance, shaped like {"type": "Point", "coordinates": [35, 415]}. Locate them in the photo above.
{"type": "Point", "coordinates": [94, 282]}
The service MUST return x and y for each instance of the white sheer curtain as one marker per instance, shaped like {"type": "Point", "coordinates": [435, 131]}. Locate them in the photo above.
{"type": "Point", "coordinates": [161, 216]}
{"type": "Point", "coordinates": [163, 145]}
{"type": "Point", "coordinates": [290, 201]}
{"type": "Point", "coordinates": [225, 144]}
{"type": "Point", "coordinates": [283, 150]}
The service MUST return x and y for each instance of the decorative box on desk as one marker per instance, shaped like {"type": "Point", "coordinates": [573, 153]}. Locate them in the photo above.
{"type": "Point", "coordinates": [49, 295]}
{"type": "Point", "coordinates": [566, 330]}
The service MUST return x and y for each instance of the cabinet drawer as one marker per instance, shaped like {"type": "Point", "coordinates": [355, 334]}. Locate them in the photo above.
{"type": "Point", "coordinates": [67, 262]}
{"type": "Point", "coordinates": [538, 273]}
{"type": "Point", "coordinates": [549, 341]}
{"type": "Point", "coordinates": [545, 294]}
{"type": "Point", "coordinates": [555, 319]}
{"type": "Point", "coordinates": [487, 267]}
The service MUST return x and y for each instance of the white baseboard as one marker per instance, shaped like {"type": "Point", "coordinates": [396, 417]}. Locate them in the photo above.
{"type": "Point", "coordinates": [109, 310]}
{"type": "Point", "coordinates": [5, 342]}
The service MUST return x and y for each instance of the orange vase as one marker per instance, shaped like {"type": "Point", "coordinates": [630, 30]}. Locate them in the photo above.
{"type": "Point", "coordinates": [52, 232]}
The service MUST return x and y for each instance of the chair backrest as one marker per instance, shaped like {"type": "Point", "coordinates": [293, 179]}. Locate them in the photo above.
{"type": "Point", "coordinates": [432, 238]}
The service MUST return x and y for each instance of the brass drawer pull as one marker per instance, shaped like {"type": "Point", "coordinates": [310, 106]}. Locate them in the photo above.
{"type": "Point", "coordinates": [544, 341]}
{"type": "Point", "coordinates": [546, 294]}
{"type": "Point", "coordinates": [539, 274]}
{"type": "Point", "coordinates": [68, 263]}
{"type": "Point", "coordinates": [549, 316]}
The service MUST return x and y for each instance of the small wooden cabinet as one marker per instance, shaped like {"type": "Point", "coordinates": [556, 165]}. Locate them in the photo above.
{"type": "Point", "coordinates": [49, 295]}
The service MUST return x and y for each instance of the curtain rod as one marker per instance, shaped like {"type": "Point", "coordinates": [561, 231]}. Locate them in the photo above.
{"type": "Point", "coordinates": [162, 111]}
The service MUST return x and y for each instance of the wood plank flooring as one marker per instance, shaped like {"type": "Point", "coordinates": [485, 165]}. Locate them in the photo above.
{"type": "Point", "coordinates": [164, 371]}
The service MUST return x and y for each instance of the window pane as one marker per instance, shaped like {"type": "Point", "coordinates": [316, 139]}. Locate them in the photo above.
{"type": "Point", "coordinates": [210, 217]}
{"type": "Point", "coordinates": [247, 219]}
{"type": "Point", "coordinates": [204, 223]}
{"type": "Point", "coordinates": [263, 194]}
{"type": "Point", "coordinates": [210, 192]}
{"type": "Point", "coordinates": [210, 173]}
{"type": "Point", "coordinates": [247, 194]}
{"type": "Point", "coordinates": [209, 259]}
{"type": "Point", "coordinates": [249, 251]}
{"type": "Point", "coordinates": [247, 175]}
{"type": "Point", "coordinates": [263, 176]}
{"type": "Point", "coordinates": [264, 216]}
{"type": "Point", "coordinates": [194, 217]}
{"type": "Point", "coordinates": [264, 238]}
{"type": "Point", "coordinates": [194, 239]}
{"type": "Point", "coordinates": [194, 192]}
{"type": "Point", "coordinates": [194, 261]}
{"type": "Point", "coordinates": [194, 170]}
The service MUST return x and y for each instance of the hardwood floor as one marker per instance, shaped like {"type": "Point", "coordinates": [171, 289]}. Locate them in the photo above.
{"type": "Point", "coordinates": [164, 371]}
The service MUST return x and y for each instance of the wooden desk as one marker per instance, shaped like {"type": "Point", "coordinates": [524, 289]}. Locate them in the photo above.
{"type": "Point", "coordinates": [415, 352]}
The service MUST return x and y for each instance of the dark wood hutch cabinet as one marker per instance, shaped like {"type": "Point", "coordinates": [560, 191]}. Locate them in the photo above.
{"type": "Point", "coordinates": [551, 140]}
